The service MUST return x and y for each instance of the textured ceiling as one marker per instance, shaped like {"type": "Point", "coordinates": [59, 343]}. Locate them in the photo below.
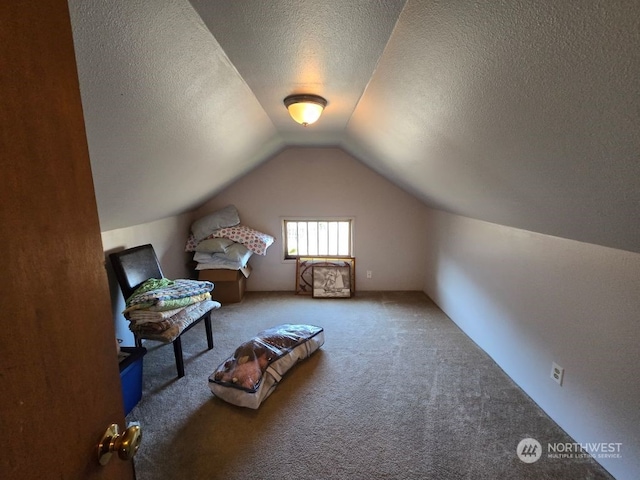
{"type": "Point", "coordinates": [326, 47]}
{"type": "Point", "coordinates": [523, 113]}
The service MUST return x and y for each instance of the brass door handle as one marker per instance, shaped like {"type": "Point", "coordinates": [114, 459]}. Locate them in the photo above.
{"type": "Point", "coordinates": [125, 444]}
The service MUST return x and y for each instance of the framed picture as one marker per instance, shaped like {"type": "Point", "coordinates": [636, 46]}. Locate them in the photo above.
{"type": "Point", "coordinates": [331, 281]}
{"type": "Point", "coordinates": [304, 271]}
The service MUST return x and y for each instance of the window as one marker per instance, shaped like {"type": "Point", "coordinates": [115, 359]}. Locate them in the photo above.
{"type": "Point", "coordinates": [317, 238]}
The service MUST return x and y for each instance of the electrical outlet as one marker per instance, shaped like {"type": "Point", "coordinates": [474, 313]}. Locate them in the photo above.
{"type": "Point", "coordinates": [369, 273]}
{"type": "Point", "coordinates": [557, 373]}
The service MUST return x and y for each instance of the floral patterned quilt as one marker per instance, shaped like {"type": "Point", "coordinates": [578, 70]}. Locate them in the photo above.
{"type": "Point", "coordinates": [254, 240]}
{"type": "Point", "coordinates": [167, 294]}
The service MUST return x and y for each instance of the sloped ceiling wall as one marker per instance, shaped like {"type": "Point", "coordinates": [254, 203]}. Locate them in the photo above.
{"type": "Point", "coordinates": [523, 113]}
{"type": "Point", "coordinates": [169, 120]}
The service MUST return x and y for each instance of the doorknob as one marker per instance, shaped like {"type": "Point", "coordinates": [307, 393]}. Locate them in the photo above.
{"type": "Point", "coordinates": [125, 444]}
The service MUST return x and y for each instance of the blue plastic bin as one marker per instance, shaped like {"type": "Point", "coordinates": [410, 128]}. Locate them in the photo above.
{"type": "Point", "coordinates": [131, 376]}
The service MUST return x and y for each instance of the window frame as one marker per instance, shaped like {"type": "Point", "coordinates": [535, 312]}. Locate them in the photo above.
{"type": "Point", "coordinates": [293, 258]}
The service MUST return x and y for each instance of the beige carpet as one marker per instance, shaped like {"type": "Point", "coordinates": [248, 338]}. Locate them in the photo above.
{"type": "Point", "coordinates": [396, 392]}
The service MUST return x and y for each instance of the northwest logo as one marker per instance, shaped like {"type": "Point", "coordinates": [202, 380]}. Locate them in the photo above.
{"type": "Point", "coordinates": [529, 450]}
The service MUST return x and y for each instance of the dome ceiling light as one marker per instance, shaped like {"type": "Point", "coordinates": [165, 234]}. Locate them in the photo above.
{"type": "Point", "coordinates": [305, 109]}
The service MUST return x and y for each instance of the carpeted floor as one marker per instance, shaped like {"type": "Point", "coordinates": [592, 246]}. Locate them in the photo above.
{"type": "Point", "coordinates": [396, 392]}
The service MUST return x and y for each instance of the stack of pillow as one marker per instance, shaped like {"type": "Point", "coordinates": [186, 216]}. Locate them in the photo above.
{"type": "Point", "coordinates": [218, 240]}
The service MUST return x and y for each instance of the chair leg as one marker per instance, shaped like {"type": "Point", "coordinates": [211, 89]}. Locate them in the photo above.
{"type": "Point", "coordinates": [177, 350]}
{"type": "Point", "coordinates": [207, 326]}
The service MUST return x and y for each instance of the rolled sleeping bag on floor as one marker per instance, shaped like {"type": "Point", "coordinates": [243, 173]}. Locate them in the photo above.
{"type": "Point", "coordinates": [252, 373]}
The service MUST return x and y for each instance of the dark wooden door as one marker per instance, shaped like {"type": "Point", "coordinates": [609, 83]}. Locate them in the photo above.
{"type": "Point", "coordinates": [59, 379]}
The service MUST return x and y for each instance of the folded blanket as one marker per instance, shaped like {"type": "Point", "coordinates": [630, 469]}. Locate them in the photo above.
{"type": "Point", "coordinates": [143, 316]}
{"type": "Point", "coordinates": [164, 305]}
{"type": "Point", "coordinates": [172, 326]}
{"type": "Point", "coordinates": [153, 291]}
{"type": "Point", "coordinates": [155, 327]}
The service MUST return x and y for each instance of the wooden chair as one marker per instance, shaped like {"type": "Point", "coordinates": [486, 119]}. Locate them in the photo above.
{"type": "Point", "coordinates": [135, 265]}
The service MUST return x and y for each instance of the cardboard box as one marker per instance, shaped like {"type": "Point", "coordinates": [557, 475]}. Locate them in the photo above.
{"type": "Point", "coordinates": [228, 285]}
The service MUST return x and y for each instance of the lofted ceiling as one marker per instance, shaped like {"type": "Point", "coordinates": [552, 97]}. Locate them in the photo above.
{"type": "Point", "coordinates": [522, 113]}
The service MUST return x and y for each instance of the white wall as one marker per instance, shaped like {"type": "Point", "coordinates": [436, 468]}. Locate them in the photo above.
{"type": "Point", "coordinates": [389, 223]}
{"type": "Point", "coordinates": [168, 237]}
{"type": "Point", "coordinates": [529, 299]}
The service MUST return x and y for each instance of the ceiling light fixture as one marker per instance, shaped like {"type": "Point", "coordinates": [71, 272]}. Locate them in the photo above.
{"type": "Point", "coordinates": [305, 109]}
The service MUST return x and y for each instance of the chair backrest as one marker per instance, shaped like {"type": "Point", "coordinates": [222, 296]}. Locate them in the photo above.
{"type": "Point", "coordinates": [133, 266]}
